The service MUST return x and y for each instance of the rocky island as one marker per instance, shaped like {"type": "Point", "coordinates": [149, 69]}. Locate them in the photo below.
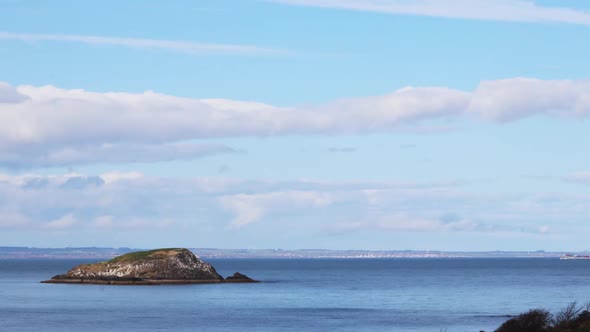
{"type": "Point", "coordinates": [153, 267]}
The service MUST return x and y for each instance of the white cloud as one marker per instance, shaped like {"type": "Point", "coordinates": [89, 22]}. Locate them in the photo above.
{"type": "Point", "coordinates": [346, 149]}
{"type": "Point", "coordinates": [104, 222]}
{"type": "Point", "coordinates": [63, 223]}
{"type": "Point", "coordinates": [168, 45]}
{"type": "Point", "coordinates": [35, 181]}
{"type": "Point", "coordinates": [58, 127]}
{"type": "Point", "coordinates": [56, 116]}
{"type": "Point", "coordinates": [513, 99]}
{"type": "Point", "coordinates": [544, 229]}
{"type": "Point", "coordinates": [579, 177]}
{"type": "Point", "coordinates": [12, 219]}
{"type": "Point", "coordinates": [8, 94]}
{"type": "Point", "coordinates": [406, 223]}
{"type": "Point", "coordinates": [106, 153]}
{"type": "Point", "coordinates": [415, 224]}
{"type": "Point", "coordinates": [111, 223]}
{"type": "Point", "coordinates": [496, 10]}
{"type": "Point", "coordinates": [387, 112]}
{"type": "Point", "coordinates": [250, 208]}
{"type": "Point", "coordinates": [131, 203]}
{"type": "Point", "coordinates": [395, 208]}
{"type": "Point", "coordinates": [116, 176]}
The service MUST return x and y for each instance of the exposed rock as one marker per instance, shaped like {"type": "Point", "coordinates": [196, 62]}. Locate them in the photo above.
{"type": "Point", "coordinates": [161, 266]}
{"type": "Point", "coordinates": [238, 277]}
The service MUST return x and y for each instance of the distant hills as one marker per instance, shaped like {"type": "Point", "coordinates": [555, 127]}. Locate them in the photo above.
{"type": "Point", "coordinates": [208, 253]}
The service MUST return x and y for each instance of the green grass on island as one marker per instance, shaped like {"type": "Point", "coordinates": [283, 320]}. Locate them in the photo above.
{"type": "Point", "coordinates": [145, 255]}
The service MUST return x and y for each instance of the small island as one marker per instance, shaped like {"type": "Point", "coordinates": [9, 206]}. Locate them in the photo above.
{"type": "Point", "coordinates": [153, 267]}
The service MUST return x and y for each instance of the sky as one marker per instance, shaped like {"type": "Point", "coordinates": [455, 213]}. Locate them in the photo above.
{"type": "Point", "coordinates": [459, 125]}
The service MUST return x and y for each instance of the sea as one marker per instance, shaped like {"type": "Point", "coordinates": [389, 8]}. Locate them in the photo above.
{"type": "Point", "coordinates": [299, 295]}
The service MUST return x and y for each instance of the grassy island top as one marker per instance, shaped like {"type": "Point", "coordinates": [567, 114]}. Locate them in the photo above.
{"type": "Point", "coordinates": [147, 255]}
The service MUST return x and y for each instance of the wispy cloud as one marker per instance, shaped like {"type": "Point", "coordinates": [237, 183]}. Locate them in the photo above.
{"type": "Point", "coordinates": [63, 223]}
{"type": "Point", "coordinates": [341, 149]}
{"type": "Point", "coordinates": [578, 177]}
{"type": "Point", "coordinates": [186, 47]}
{"type": "Point", "coordinates": [249, 208]}
{"type": "Point", "coordinates": [72, 154]}
{"type": "Point", "coordinates": [496, 10]}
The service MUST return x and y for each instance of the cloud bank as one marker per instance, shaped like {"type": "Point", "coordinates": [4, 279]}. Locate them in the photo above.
{"type": "Point", "coordinates": [48, 126]}
{"type": "Point", "coordinates": [493, 10]}
{"type": "Point", "coordinates": [129, 202]}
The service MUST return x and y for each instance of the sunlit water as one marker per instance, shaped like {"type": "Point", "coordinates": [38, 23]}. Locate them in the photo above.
{"type": "Point", "coordinates": [299, 295]}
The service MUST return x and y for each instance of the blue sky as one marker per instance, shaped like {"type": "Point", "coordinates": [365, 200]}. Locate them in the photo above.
{"type": "Point", "coordinates": [376, 124]}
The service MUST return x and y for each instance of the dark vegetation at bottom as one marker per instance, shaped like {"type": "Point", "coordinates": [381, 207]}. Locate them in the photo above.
{"type": "Point", "coordinates": [572, 318]}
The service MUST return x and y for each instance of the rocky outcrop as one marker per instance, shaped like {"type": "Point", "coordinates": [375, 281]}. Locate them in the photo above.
{"type": "Point", "coordinates": [161, 266]}
{"type": "Point", "coordinates": [238, 277]}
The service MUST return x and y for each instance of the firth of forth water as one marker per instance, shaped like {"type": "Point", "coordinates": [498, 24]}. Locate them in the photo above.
{"type": "Point", "coordinates": [299, 295]}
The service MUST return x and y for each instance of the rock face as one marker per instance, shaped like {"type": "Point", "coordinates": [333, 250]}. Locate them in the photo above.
{"type": "Point", "coordinates": [238, 277]}
{"type": "Point", "coordinates": [161, 266]}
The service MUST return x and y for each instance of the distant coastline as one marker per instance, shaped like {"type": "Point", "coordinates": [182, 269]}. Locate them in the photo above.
{"type": "Point", "coordinates": [211, 253]}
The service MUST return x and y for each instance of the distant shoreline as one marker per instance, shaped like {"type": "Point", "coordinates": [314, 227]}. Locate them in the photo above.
{"type": "Point", "coordinates": [209, 253]}
{"type": "Point", "coordinates": [147, 282]}
{"type": "Point", "coordinates": [143, 282]}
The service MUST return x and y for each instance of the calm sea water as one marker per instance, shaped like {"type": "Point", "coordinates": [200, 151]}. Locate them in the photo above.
{"type": "Point", "coordinates": [298, 295]}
